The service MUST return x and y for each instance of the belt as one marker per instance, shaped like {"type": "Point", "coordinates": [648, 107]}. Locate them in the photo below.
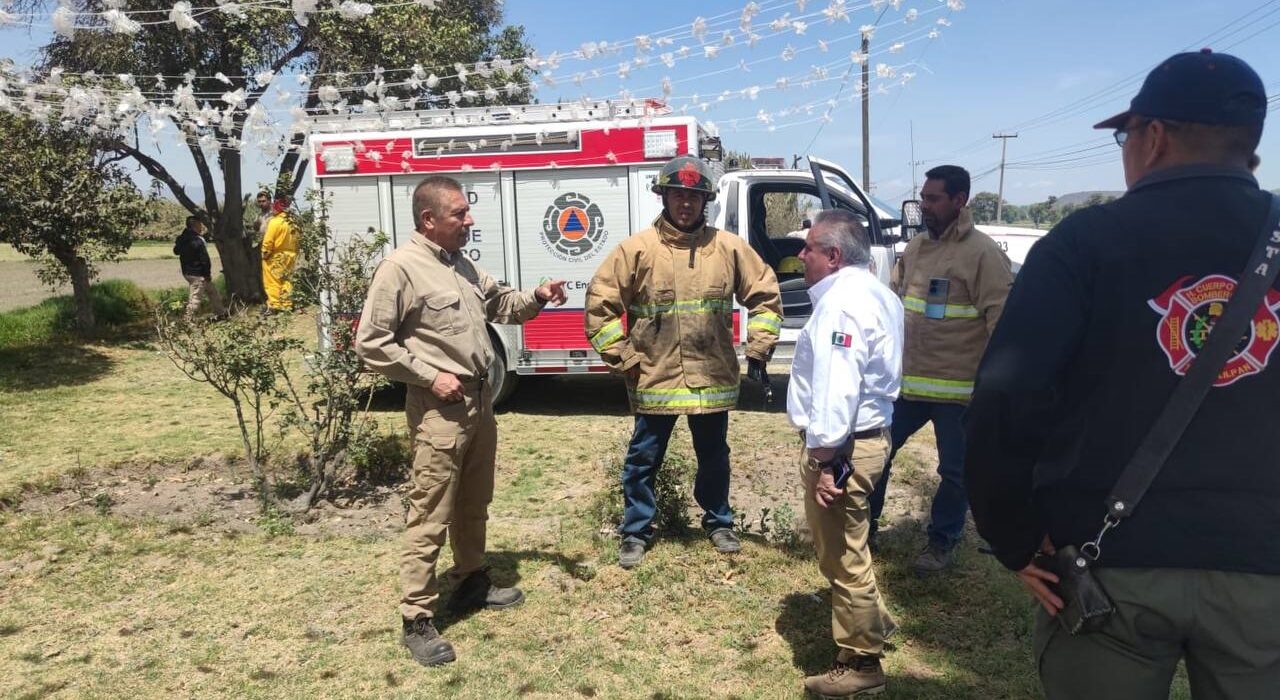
{"type": "Point", "coordinates": [861, 434]}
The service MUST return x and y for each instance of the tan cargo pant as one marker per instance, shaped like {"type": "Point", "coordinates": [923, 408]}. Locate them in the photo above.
{"type": "Point", "coordinates": [453, 463]}
{"type": "Point", "coordinates": [859, 619]}
{"type": "Point", "coordinates": [198, 289]}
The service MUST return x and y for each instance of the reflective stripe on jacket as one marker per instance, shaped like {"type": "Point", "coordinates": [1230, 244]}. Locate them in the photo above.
{"type": "Point", "coordinates": [942, 354]}
{"type": "Point", "coordinates": [663, 301]}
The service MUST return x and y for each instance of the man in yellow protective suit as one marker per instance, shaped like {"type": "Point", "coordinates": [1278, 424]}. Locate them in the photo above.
{"type": "Point", "coordinates": [279, 255]}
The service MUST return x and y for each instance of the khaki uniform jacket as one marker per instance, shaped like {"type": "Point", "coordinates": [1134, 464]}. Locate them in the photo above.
{"type": "Point", "coordinates": [676, 291]}
{"type": "Point", "coordinates": [426, 314]}
{"type": "Point", "coordinates": [942, 354]}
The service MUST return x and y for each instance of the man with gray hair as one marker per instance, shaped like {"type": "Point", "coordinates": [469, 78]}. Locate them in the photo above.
{"type": "Point", "coordinates": [844, 379]}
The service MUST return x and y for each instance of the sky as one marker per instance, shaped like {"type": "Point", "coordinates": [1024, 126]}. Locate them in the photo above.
{"type": "Point", "coordinates": [1046, 70]}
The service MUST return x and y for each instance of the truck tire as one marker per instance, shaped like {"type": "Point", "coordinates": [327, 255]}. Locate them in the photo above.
{"type": "Point", "coordinates": [502, 380]}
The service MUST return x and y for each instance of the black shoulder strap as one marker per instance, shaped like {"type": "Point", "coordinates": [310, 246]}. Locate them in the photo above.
{"type": "Point", "coordinates": [1156, 447]}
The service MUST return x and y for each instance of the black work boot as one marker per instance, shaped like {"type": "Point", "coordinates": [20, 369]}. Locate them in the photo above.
{"type": "Point", "coordinates": [477, 591]}
{"type": "Point", "coordinates": [725, 541]}
{"type": "Point", "coordinates": [425, 643]}
{"type": "Point", "coordinates": [858, 677]}
{"type": "Point", "coordinates": [630, 553]}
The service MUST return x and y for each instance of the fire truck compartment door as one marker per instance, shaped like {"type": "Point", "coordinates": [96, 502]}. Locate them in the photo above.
{"type": "Point", "coordinates": [486, 248]}
{"type": "Point", "coordinates": [353, 207]}
{"type": "Point", "coordinates": [567, 222]}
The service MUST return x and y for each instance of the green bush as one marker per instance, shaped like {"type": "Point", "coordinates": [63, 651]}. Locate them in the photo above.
{"type": "Point", "coordinates": [672, 486]}
{"type": "Point", "coordinates": [116, 303]}
{"type": "Point", "coordinates": [380, 459]}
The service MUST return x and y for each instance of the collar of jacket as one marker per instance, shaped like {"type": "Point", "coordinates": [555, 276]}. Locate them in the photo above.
{"type": "Point", "coordinates": [676, 238]}
{"type": "Point", "coordinates": [960, 228]}
{"type": "Point", "coordinates": [1183, 172]}
{"type": "Point", "coordinates": [824, 285]}
{"type": "Point", "coordinates": [439, 253]}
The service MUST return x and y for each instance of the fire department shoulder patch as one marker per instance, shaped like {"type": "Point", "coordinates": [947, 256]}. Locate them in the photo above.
{"type": "Point", "coordinates": [1189, 309]}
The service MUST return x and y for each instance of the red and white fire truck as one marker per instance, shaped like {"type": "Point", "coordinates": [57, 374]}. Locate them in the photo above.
{"type": "Point", "coordinates": [553, 188]}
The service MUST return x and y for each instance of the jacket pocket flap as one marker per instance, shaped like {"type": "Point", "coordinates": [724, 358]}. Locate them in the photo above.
{"type": "Point", "coordinates": [443, 300]}
{"type": "Point", "coordinates": [443, 442]}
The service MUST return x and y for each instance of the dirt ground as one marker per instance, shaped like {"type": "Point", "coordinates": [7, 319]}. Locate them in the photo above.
{"type": "Point", "coordinates": [19, 286]}
{"type": "Point", "coordinates": [213, 492]}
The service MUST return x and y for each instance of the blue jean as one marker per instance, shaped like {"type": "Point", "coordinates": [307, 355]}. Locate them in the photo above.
{"type": "Point", "coordinates": [644, 458]}
{"type": "Point", "coordinates": [950, 503]}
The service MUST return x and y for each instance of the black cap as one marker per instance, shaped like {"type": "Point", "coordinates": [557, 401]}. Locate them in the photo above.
{"type": "Point", "coordinates": [1200, 87]}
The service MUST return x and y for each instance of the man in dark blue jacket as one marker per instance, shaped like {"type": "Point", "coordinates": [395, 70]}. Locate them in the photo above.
{"type": "Point", "coordinates": [1106, 315]}
{"type": "Point", "coordinates": [193, 257]}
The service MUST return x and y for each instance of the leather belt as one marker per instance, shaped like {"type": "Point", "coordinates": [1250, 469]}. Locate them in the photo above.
{"type": "Point", "coordinates": [861, 434]}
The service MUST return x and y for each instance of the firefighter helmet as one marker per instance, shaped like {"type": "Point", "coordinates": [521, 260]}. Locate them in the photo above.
{"type": "Point", "coordinates": [686, 173]}
{"type": "Point", "coordinates": [790, 265]}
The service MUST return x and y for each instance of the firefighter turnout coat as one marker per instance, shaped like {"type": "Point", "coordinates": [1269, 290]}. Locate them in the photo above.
{"type": "Point", "coordinates": [663, 302]}
{"type": "Point", "coordinates": [947, 334]}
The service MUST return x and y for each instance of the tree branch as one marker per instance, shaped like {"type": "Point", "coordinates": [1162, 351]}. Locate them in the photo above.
{"type": "Point", "coordinates": [159, 172]}
{"type": "Point", "coordinates": [303, 45]}
{"type": "Point", "coordinates": [297, 176]}
{"type": "Point", "coordinates": [206, 177]}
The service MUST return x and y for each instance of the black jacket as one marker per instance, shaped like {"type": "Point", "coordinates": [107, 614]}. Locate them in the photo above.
{"type": "Point", "coordinates": [1106, 306]}
{"type": "Point", "coordinates": [193, 254]}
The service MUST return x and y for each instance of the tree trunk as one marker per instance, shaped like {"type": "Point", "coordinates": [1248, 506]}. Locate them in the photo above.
{"type": "Point", "coordinates": [240, 257]}
{"type": "Point", "coordinates": [78, 268]}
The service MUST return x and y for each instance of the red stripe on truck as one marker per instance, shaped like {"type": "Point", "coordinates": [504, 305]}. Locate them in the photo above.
{"type": "Point", "coordinates": [557, 329]}
{"type": "Point", "coordinates": [394, 156]}
{"type": "Point", "coordinates": [564, 329]}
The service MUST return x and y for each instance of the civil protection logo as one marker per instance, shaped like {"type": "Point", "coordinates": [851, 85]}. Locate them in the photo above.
{"type": "Point", "coordinates": [1188, 311]}
{"type": "Point", "coordinates": [573, 228]}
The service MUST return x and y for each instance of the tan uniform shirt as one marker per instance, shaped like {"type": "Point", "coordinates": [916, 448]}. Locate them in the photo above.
{"type": "Point", "coordinates": [426, 314]}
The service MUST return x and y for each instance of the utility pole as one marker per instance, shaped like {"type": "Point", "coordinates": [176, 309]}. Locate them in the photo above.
{"type": "Point", "coordinates": [866, 113]}
{"type": "Point", "coordinates": [1004, 142]}
{"type": "Point", "coordinates": [914, 162]}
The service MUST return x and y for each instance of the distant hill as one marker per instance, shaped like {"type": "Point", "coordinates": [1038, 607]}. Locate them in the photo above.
{"type": "Point", "coordinates": [1079, 198]}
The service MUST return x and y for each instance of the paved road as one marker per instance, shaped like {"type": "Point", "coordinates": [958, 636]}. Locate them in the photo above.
{"type": "Point", "coordinates": [20, 287]}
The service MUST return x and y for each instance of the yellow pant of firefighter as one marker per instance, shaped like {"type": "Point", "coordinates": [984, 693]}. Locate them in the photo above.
{"type": "Point", "coordinates": [454, 449]}
{"type": "Point", "coordinates": [859, 620]}
{"type": "Point", "coordinates": [275, 281]}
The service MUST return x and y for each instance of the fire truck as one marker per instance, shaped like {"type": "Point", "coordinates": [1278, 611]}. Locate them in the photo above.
{"type": "Point", "coordinates": [553, 188]}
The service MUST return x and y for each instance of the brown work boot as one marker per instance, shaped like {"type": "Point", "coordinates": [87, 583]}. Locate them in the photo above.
{"type": "Point", "coordinates": [425, 643]}
{"type": "Point", "coordinates": [933, 559]}
{"type": "Point", "coordinates": [477, 591]}
{"type": "Point", "coordinates": [857, 677]}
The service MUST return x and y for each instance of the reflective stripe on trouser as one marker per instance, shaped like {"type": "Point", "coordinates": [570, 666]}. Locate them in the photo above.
{"type": "Point", "coordinates": [608, 334]}
{"type": "Point", "coordinates": [701, 397]}
{"type": "Point", "coordinates": [918, 305]}
{"type": "Point", "coordinates": [950, 389]}
{"type": "Point", "coordinates": [859, 619]}
{"type": "Point", "coordinates": [454, 448]}
{"type": "Point", "coordinates": [765, 321]}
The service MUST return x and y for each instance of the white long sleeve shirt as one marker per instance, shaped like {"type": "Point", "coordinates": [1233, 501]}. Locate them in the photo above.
{"type": "Point", "coordinates": [848, 359]}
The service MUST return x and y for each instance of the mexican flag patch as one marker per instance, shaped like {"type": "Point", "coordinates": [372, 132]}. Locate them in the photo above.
{"type": "Point", "coordinates": [843, 340]}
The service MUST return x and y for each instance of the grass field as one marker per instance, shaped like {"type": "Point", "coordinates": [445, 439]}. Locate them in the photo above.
{"type": "Point", "coordinates": [140, 250]}
{"type": "Point", "coordinates": [214, 600]}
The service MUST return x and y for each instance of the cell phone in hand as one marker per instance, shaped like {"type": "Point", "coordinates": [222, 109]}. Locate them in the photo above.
{"type": "Point", "coordinates": [841, 469]}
